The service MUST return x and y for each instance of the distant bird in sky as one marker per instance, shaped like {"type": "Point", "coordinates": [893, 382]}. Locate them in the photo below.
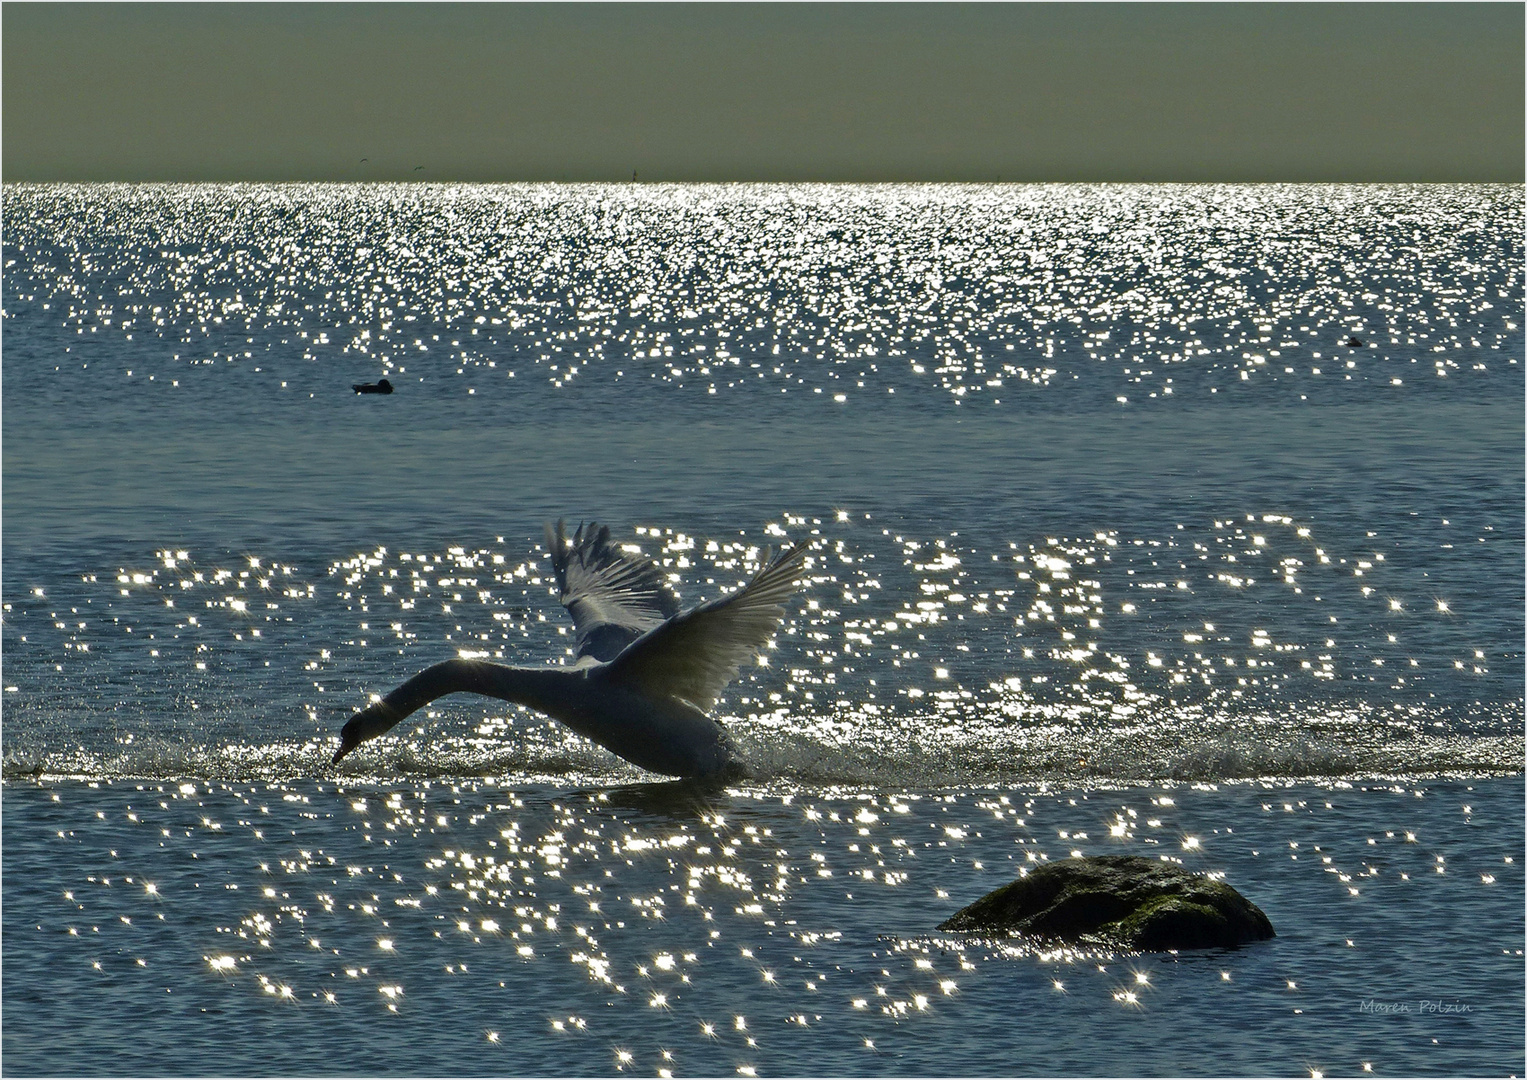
{"type": "Point", "coordinates": [381, 386]}
{"type": "Point", "coordinates": [364, 160]}
{"type": "Point", "coordinates": [644, 674]}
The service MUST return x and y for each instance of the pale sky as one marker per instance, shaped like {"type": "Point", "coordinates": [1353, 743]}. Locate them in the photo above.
{"type": "Point", "coordinates": [855, 92]}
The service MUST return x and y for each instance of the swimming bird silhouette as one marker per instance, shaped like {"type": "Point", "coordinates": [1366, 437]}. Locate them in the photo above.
{"type": "Point", "coordinates": [381, 386]}
{"type": "Point", "coordinates": [645, 673]}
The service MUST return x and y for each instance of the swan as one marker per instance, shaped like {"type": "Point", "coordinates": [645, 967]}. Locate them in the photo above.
{"type": "Point", "coordinates": [644, 674]}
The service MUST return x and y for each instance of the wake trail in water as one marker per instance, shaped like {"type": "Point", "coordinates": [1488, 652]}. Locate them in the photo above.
{"type": "Point", "coordinates": [776, 757]}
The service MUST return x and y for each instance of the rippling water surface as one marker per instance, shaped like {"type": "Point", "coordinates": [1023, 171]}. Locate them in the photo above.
{"type": "Point", "coordinates": [1156, 519]}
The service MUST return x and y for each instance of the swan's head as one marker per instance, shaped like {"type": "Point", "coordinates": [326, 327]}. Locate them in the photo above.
{"type": "Point", "coordinates": [348, 740]}
{"type": "Point", "coordinates": [366, 724]}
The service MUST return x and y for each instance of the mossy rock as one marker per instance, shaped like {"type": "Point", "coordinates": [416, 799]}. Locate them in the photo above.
{"type": "Point", "coordinates": [1142, 904]}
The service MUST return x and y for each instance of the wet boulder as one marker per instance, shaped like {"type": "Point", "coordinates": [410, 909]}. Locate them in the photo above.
{"type": "Point", "coordinates": [1122, 900]}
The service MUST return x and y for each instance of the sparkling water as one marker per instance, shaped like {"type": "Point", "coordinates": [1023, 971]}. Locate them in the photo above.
{"type": "Point", "coordinates": [1168, 520]}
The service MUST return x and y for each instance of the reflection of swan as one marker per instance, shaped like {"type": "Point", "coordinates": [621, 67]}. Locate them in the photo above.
{"type": "Point", "coordinates": [667, 799]}
{"type": "Point", "coordinates": [644, 674]}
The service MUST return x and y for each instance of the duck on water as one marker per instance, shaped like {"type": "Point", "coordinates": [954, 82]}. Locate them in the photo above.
{"type": "Point", "coordinates": [381, 386]}
{"type": "Point", "coordinates": [645, 673]}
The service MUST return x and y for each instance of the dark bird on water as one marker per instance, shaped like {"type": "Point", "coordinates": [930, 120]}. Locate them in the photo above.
{"type": "Point", "coordinates": [1354, 342]}
{"type": "Point", "coordinates": [645, 672]}
{"type": "Point", "coordinates": [381, 386]}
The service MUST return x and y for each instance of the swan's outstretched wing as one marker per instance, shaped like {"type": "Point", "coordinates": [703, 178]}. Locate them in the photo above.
{"type": "Point", "coordinates": [614, 598]}
{"type": "Point", "coordinates": [694, 655]}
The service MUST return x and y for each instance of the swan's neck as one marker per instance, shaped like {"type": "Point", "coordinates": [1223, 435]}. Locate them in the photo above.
{"type": "Point", "coordinates": [542, 688]}
{"type": "Point", "coordinates": [661, 734]}
{"type": "Point", "coordinates": [549, 690]}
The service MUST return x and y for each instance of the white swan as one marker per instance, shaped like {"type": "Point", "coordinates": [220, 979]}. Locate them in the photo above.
{"type": "Point", "coordinates": [644, 674]}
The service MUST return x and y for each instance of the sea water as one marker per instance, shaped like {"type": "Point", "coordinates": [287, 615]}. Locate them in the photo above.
{"type": "Point", "coordinates": [1175, 521]}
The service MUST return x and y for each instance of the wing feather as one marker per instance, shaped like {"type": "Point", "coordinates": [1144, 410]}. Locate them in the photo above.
{"type": "Point", "coordinates": [694, 655]}
{"type": "Point", "coordinates": [613, 597]}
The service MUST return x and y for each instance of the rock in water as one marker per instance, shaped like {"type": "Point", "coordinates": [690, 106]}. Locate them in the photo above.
{"type": "Point", "coordinates": [1125, 900]}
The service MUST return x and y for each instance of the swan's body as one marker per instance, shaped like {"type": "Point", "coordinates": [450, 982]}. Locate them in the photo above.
{"type": "Point", "coordinates": [645, 673]}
